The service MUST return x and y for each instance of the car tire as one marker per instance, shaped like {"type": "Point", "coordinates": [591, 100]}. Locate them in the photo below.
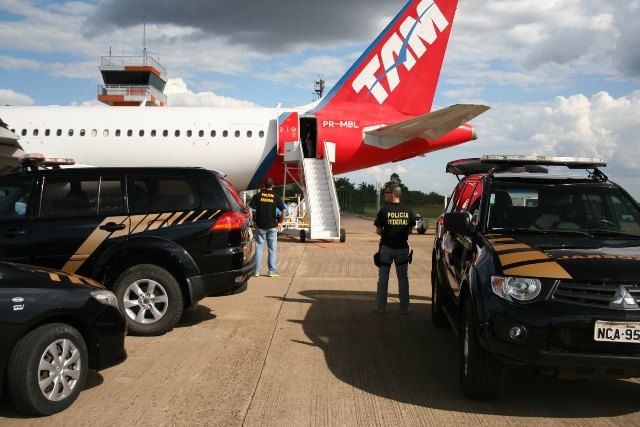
{"type": "Point", "coordinates": [438, 318]}
{"type": "Point", "coordinates": [47, 369]}
{"type": "Point", "coordinates": [151, 299]}
{"type": "Point", "coordinates": [422, 230]}
{"type": "Point", "coordinates": [343, 235]}
{"type": "Point", "coordinates": [481, 375]}
{"type": "Point", "coordinates": [303, 236]}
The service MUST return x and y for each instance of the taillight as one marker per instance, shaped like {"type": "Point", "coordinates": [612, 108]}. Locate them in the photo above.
{"type": "Point", "coordinates": [230, 221]}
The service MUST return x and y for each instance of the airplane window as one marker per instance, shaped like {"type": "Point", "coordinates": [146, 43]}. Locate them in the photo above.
{"type": "Point", "coordinates": [35, 132]}
{"type": "Point", "coordinates": [105, 132]}
{"type": "Point", "coordinates": [24, 132]}
{"type": "Point", "coordinates": [177, 133]}
{"type": "Point", "coordinates": [201, 133]}
{"type": "Point", "coordinates": [153, 132]}
{"type": "Point", "coordinates": [189, 133]}
{"type": "Point", "coordinates": [225, 133]}
{"type": "Point", "coordinates": [249, 134]}
{"type": "Point", "coordinates": [70, 132]}
{"type": "Point", "coordinates": [82, 132]}
{"type": "Point", "coordinates": [117, 132]}
{"type": "Point", "coordinates": [261, 134]}
{"type": "Point", "coordinates": [94, 132]}
{"type": "Point", "coordinates": [213, 133]}
{"type": "Point", "coordinates": [141, 133]}
{"type": "Point", "coordinates": [59, 132]}
{"type": "Point", "coordinates": [237, 134]}
{"type": "Point", "coordinates": [165, 133]}
{"type": "Point", "coordinates": [47, 132]}
{"type": "Point", "coordinates": [129, 132]}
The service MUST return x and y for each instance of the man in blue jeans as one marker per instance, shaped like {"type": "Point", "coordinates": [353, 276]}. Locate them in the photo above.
{"type": "Point", "coordinates": [267, 224]}
{"type": "Point", "coordinates": [394, 223]}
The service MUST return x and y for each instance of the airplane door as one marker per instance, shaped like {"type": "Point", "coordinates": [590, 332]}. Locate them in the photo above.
{"type": "Point", "coordinates": [288, 130]}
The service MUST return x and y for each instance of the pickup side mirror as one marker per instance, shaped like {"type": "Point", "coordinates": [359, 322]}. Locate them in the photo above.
{"type": "Point", "coordinates": [457, 222]}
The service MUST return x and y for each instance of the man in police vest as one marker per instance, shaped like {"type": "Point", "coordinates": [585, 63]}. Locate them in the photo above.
{"type": "Point", "coordinates": [394, 223]}
{"type": "Point", "coordinates": [267, 224]}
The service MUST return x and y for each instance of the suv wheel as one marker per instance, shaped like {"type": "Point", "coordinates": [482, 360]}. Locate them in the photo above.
{"type": "Point", "coordinates": [150, 297]}
{"type": "Point", "coordinates": [481, 375]}
{"type": "Point", "coordinates": [438, 318]}
{"type": "Point", "coordinates": [422, 230]}
{"type": "Point", "coordinates": [47, 369]}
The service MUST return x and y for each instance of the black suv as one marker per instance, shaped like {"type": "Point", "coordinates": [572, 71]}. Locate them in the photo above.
{"type": "Point", "coordinates": [538, 269]}
{"type": "Point", "coordinates": [160, 238]}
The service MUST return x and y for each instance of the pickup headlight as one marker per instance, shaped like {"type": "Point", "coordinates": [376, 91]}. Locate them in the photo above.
{"type": "Point", "coordinates": [515, 288]}
{"type": "Point", "coordinates": [105, 297]}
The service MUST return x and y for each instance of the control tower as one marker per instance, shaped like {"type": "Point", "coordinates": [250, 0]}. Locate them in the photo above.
{"type": "Point", "coordinates": [132, 81]}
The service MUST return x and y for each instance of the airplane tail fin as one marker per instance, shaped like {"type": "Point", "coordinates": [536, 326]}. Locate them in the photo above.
{"type": "Point", "coordinates": [400, 69]}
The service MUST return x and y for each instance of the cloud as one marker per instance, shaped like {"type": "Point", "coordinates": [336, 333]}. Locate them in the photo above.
{"type": "Point", "coordinates": [9, 97]}
{"type": "Point", "coordinates": [178, 95]}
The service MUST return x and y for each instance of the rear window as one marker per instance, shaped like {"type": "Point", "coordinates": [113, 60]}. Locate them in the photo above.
{"type": "Point", "coordinates": [161, 193]}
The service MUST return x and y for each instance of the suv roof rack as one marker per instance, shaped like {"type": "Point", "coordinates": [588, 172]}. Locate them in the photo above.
{"type": "Point", "coordinates": [34, 161]}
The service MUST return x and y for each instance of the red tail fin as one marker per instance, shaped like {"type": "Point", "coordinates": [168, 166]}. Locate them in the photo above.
{"type": "Point", "coordinates": [401, 67]}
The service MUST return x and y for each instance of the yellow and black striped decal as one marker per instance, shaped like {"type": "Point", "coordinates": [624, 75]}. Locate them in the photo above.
{"type": "Point", "coordinates": [138, 224]}
{"type": "Point", "coordinates": [520, 259]}
{"type": "Point", "coordinates": [67, 277]}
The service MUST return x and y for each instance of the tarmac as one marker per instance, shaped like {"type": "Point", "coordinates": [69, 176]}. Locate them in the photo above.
{"type": "Point", "coordinates": [306, 349]}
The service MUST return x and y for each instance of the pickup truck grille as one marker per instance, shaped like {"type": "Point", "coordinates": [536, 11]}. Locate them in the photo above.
{"type": "Point", "coordinates": [597, 294]}
{"type": "Point", "coordinates": [580, 340]}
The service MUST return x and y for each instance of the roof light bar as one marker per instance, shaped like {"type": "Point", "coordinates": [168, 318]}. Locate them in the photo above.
{"type": "Point", "coordinates": [46, 161]}
{"type": "Point", "coordinates": [570, 162]}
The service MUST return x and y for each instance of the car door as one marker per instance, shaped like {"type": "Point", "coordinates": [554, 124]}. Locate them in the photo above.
{"type": "Point", "coordinates": [16, 207]}
{"type": "Point", "coordinates": [81, 217]}
{"type": "Point", "coordinates": [457, 246]}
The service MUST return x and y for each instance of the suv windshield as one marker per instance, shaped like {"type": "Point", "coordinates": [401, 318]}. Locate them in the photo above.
{"type": "Point", "coordinates": [580, 207]}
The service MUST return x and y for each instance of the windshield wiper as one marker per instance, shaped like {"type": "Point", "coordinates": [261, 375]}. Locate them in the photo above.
{"type": "Point", "coordinates": [601, 231]}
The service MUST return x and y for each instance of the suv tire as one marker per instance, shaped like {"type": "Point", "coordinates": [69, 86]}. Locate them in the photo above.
{"type": "Point", "coordinates": [438, 318]}
{"type": "Point", "coordinates": [150, 297]}
{"type": "Point", "coordinates": [481, 375]}
{"type": "Point", "coordinates": [52, 356]}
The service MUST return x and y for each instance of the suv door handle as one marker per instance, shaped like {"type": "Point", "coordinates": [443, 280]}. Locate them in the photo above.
{"type": "Point", "coordinates": [14, 233]}
{"type": "Point", "coordinates": [112, 226]}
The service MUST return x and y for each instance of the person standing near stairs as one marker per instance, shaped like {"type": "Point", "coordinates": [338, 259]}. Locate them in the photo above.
{"type": "Point", "coordinates": [268, 225]}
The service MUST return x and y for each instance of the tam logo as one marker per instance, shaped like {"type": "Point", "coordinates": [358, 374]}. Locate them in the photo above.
{"type": "Point", "coordinates": [412, 33]}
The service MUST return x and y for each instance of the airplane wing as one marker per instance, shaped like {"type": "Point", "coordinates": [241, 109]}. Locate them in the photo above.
{"type": "Point", "coordinates": [431, 126]}
{"type": "Point", "coordinates": [10, 150]}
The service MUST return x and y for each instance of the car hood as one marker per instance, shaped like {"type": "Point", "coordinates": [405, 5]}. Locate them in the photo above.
{"type": "Point", "coordinates": [579, 259]}
{"type": "Point", "coordinates": [28, 276]}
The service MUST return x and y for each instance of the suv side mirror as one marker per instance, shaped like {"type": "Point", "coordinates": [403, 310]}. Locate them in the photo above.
{"type": "Point", "coordinates": [457, 222]}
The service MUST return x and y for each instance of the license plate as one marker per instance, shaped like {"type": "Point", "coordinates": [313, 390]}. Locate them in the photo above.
{"type": "Point", "coordinates": [617, 331]}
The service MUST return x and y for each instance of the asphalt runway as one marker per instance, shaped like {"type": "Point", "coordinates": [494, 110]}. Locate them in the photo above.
{"type": "Point", "coordinates": [306, 349]}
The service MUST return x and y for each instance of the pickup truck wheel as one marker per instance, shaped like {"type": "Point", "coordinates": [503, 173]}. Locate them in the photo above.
{"type": "Point", "coordinates": [481, 375]}
{"type": "Point", "coordinates": [47, 369]}
{"type": "Point", "coordinates": [438, 318]}
{"type": "Point", "coordinates": [422, 230]}
{"type": "Point", "coordinates": [150, 297]}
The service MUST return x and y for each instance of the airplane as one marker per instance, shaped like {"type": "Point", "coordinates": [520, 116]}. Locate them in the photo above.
{"type": "Point", "coordinates": [378, 112]}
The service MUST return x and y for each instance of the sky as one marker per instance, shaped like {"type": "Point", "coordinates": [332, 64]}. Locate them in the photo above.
{"type": "Point", "coordinates": [562, 77]}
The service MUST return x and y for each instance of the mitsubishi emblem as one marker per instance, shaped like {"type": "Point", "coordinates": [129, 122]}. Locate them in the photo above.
{"type": "Point", "coordinates": [623, 300]}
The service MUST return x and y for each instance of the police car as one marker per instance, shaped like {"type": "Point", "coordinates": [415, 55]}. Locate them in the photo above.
{"type": "Point", "coordinates": [538, 269]}
{"type": "Point", "coordinates": [161, 238]}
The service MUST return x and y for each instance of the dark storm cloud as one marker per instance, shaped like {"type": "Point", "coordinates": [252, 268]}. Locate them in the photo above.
{"type": "Point", "coordinates": [261, 25]}
{"type": "Point", "coordinates": [562, 47]}
{"type": "Point", "coordinates": [626, 52]}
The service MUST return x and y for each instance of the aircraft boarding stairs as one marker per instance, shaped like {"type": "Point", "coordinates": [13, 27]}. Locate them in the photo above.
{"type": "Point", "coordinates": [317, 214]}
